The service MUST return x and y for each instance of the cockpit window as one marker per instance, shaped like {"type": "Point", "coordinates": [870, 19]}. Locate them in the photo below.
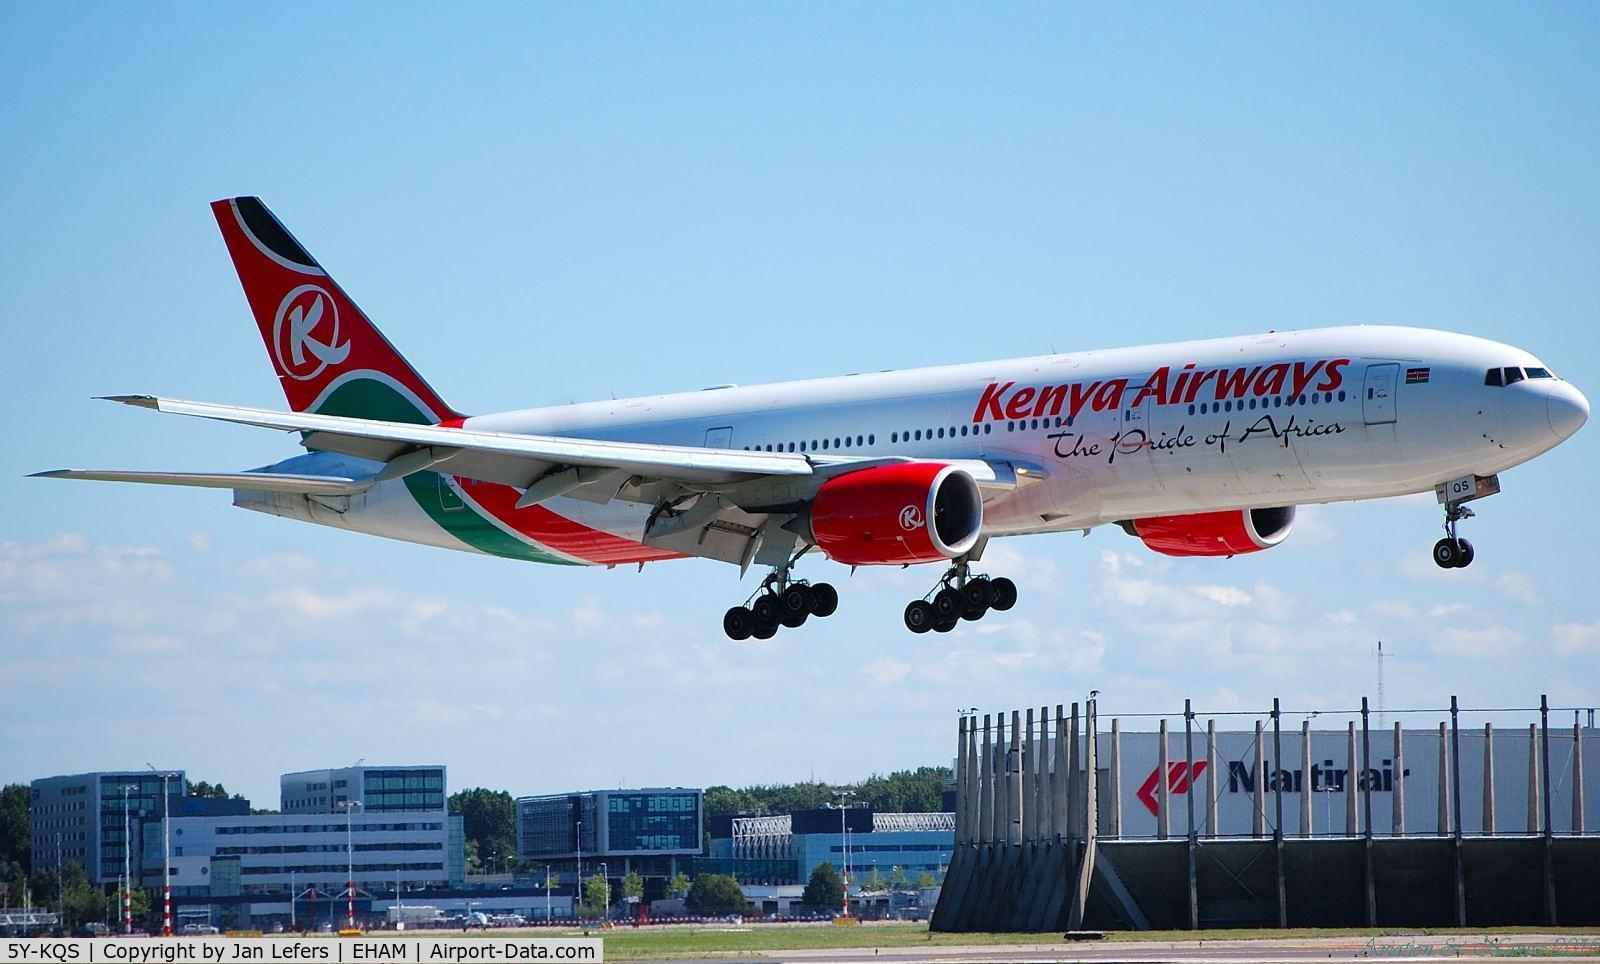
{"type": "Point", "coordinates": [1513, 375]}
{"type": "Point", "coordinates": [1495, 377]}
{"type": "Point", "coordinates": [1539, 373]}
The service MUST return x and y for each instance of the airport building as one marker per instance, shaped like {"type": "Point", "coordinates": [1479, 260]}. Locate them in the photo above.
{"type": "Point", "coordinates": [373, 789]}
{"type": "Point", "coordinates": [786, 848]}
{"type": "Point", "coordinates": [80, 818]}
{"type": "Point", "coordinates": [654, 832]}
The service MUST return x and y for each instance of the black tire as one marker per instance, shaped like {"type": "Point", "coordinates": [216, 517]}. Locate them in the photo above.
{"type": "Point", "coordinates": [945, 625]}
{"type": "Point", "coordinates": [766, 611]}
{"type": "Point", "coordinates": [1005, 593]}
{"type": "Point", "coordinates": [738, 623]}
{"type": "Point", "coordinates": [824, 600]}
{"type": "Point", "coordinates": [1466, 555]}
{"type": "Point", "coordinates": [794, 606]}
{"type": "Point", "coordinates": [919, 616]}
{"type": "Point", "coordinates": [764, 632]}
{"type": "Point", "coordinates": [978, 594]}
{"type": "Point", "coordinates": [973, 615]}
{"type": "Point", "coordinates": [948, 604]}
{"type": "Point", "coordinates": [1445, 554]}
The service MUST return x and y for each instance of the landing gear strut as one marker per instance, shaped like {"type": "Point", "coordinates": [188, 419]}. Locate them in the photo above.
{"type": "Point", "coordinates": [959, 595]}
{"type": "Point", "coordinates": [780, 601]}
{"type": "Point", "coordinates": [1453, 552]}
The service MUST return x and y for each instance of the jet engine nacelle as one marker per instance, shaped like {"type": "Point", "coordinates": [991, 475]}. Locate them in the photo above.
{"type": "Point", "coordinates": [1215, 533]}
{"type": "Point", "coordinates": [897, 514]}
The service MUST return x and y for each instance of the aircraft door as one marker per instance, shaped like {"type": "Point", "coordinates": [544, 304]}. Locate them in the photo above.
{"type": "Point", "coordinates": [1377, 399]}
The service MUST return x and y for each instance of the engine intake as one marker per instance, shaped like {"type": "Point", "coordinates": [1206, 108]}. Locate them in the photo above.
{"type": "Point", "coordinates": [1215, 533]}
{"type": "Point", "coordinates": [897, 514]}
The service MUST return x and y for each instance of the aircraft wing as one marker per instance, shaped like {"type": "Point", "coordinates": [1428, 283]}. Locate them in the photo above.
{"type": "Point", "coordinates": [259, 481]}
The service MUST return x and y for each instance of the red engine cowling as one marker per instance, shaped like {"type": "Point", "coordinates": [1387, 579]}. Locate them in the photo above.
{"type": "Point", "coordinates": [897, 514]}
{"type": "Point", "coordinates": [1215, 533]}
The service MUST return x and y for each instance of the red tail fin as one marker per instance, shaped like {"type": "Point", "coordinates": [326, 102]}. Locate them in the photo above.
{"type": "Point", "coordinates": [328, 356]}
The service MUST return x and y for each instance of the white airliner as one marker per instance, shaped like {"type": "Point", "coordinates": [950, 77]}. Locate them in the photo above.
{"type": "Point", "coordinates": [1198, 448]}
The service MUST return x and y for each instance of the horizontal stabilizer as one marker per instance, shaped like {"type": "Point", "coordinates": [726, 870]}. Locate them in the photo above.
{"type": "Point", "coordinates": [260, 481]}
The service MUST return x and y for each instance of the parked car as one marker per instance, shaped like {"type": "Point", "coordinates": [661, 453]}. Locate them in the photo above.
{"type": "Point", "coordinates": [198, 928]}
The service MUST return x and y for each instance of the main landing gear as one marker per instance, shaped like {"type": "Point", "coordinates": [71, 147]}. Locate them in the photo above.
{"type": "Point", "coordinates": [959, 595]}
{"type": "Point", "coordinates": [1452, 552]}
{"type": "Point", "coordinates": [780, 602]}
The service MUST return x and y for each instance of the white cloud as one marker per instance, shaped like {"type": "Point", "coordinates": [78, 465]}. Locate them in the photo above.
{"type": "Point", "coordinates": [1476, 642]}
{"type": "Point", "coordinates": [1576, 639]}
{"type": "Point", "coordinates": [1518, 586]}
{"type": "Point", "coordinates": [201, 541]}
{"type": "Point", "coordinates": [886, 671]}
{"type": "Point", "coordinates": [1223, 595]}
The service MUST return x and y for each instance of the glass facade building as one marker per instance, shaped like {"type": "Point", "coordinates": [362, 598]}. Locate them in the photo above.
{"type": "Point", "coordinates": [79, 818]}
{"type": "Point", "coordinates": [375, 789]}
{"type": "Point", "coordinates": [603, 823]}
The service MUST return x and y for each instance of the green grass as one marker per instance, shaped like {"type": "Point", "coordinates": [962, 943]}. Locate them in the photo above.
{"type": "Point", "coordinates": [676, 941]}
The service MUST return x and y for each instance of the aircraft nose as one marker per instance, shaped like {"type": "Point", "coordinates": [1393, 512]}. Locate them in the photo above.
{"type": "Point", "coordinates": [1568, 410]}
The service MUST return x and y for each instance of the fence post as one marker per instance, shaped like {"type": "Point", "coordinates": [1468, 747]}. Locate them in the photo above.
{"type": "Point", "coordinates": [1211, 783]}
{"type": "Point", "coordinates": [1577, 778]}
{"type": "Point", "coordinates": [1444, 780]}
{"type": "Point", "coordinates": [1455, 804]}
{"type": "Point", "coordinates": [1488, 780]}
{"type": "Point", "coordinates": [1549, 830]}
{"type": "Point", "coordinates": [1351, 827]}
{"type": "Point", "coordinates": [1188, 770]}
{"type": "Point", "coordinates": [1535, 785]}
{"type": "Point", "coordinates": [1277, 799]}
{"type": "Point", "coordinates": [1116, 779]}
{"type": "Point", "coordinates": [1258, 792]}
{"type": "Point", "coordinates": [1163, 777]}
{"type": "Point", "coordinates": [961, 780]}
{"type": "Point", "coordinates": [1307, 828]}
{"type": "Point", "coordinates": [1014, 781]}
{"type": "Point", "coordinates": [1030, 785]}
{"type": "Point", "coordinates": [1058, 780]}
{"type": "Point", "coordinates": [1399, 801]}
{"type": "Point", "coordinates": [1366, 813]}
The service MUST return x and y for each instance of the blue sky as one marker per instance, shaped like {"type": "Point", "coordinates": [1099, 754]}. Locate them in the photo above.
{"type": "Point", "coordinates": [544, 203]}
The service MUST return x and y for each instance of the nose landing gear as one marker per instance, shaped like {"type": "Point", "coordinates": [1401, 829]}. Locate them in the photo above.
{"type": "Point", "coordinates": [779, 602]}
{"type": "Point", "coordinates": [1453, 552]}
{"type": "Point", "coordinates": [959, 595]}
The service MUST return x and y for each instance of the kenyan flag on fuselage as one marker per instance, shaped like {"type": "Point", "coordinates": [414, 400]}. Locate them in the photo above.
{"type": "Point", "coordinates": [332, 360]}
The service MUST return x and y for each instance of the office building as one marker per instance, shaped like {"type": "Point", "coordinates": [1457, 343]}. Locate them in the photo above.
{"type": "Point", "coordinates": [374, 789]}
{"type": "Point", "coordinates": [651, 831]}
{"type": "Point", "coordinates": [786, 848]}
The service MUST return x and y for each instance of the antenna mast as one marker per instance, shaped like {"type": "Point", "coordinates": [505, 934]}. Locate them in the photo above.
{"type": "Point", "coordinates": [1381, 723]}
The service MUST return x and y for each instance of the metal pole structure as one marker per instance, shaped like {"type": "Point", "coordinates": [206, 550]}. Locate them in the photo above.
{"type": "Point", "coordinates": [1366, 813]}
{"type": "Point", "coordinates": [1115, 778]}
{"type": "Point", "coordinates": [1014, 780]}
{"type": "Point", "coordinates": [1577, 779]}
{"type": "Point", "coordinates": [1090, 820]}
{"type": "Point", "coordinates": [1455, 806]}
{"type": "Point", "coordinates": [961, 779]}
{"type": "Point", "coordinates": [1549, 829]}
{"type": "Point", "coordinates": [292, 896]}
{"type": "Point", "coordinates": [166, 854]}
{"type": "Point", "coordinates": [1350, 783]}
{"type": "Point", "coordinates": [1188, 769]}
{"type": "Point", "coordinates": [986, 787]}
{"type": "Point", "coordinates": [350, 863]}
{"type": "Point", "coordinates": [1277, 803]}
{"type": "Point", "coordinates": [127, 868]}
{"type": "Point", "coordinates": [1307, 828]}
{"type": "Point", "coordinates": [1258, 791]}
{"type": "Point", "coordinates": [1534, 784]}
{"type": "Point", "coordinates": [577, 889]}
{"type": "Point", "coordinates": [1030, 762]}
{"type": "Point", "coordinates": [1059, 827]}
{"type": "Point", "coordinates": [1444, 780]}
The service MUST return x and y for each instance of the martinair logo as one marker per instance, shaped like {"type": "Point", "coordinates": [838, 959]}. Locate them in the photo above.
{"type": "Point", "coordinates": [302, 355]}
{"type": "Point", "coordinates": [910, 518]}
{"type": "Point", "coordinates": [1179, 776]}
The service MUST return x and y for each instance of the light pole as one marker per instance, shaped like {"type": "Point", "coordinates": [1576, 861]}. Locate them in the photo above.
{"type": "Point", "coordinates": [127, 870]}
{"type": "Point", "coordinates": [547, 894]}
{"type": "Point", "coordinates": [350, 862]}
{"type": "Point", "coordinates": [291, 901]}
{"type": "Point", "coordinates": [605, 883]}
{"type": "Point", "coordinates": [166, 852]}
{"type": "Point", "coordinates": [579, 890]}
{"type": "Point", "coordinates": [844, 842]}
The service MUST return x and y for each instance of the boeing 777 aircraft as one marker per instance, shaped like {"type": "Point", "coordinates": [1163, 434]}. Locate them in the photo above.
{"type": "Point", "coordinates": [1199, 448]}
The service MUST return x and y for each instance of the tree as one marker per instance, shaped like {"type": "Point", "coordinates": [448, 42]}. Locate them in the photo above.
{"type": "Point", "coordinates": [596, 896]}
{"type": "Point", "coordinates": [632, 886]}
{"type": "Point", "coordinates": [212, 791]}
{"type": "Point", "coordinates": [926, 879]}
{"type": "Point", "coordinates": [716, 894]}
{"type": "Point", "coordinates": [15, 826]}
{"type": "Point", "coordinates": [825, 889]}
{"type": "Point", "coordinates": [897, 878]}
{"type": "Point", "coordinates": [678, 886]}
{"type": "Point", "coordinates": [489, 819]}
{"type": "Point", "coordinates": [874, 881]}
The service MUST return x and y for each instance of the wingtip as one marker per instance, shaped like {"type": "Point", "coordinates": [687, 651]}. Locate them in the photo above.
{"type": "Point", "coordinates": [51, 474]}
{"type": "Point", "coordinates": [140, 401]}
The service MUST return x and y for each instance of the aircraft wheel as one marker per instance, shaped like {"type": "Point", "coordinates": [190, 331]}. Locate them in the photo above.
{"type": "Point", "coordinates": [1446, 554]}
{"type": "Point", "coordinates": [978, 595]}
{"type": "Point", "coordinates": [973, 615]}
{"type": "Point", "coordinates": [945, 625]}
{"type": "Point", "coordinates": [1465, 553]}
{"type": "Point", "coordinates": [919, 616]}
{"type": "Point", "coordinates": [1005, 593]}
{"type": "Point", "coordinates": [794, 606]}
{"type": "Point", "coordinates": [824, 600]}
{"type": "Point", "coordinates": [738, 623]}
{"type": "Point", "coordinates": [947, 604]}
{"type": "Point", "coordinates": [766, 612]}
{"type": "Point", "coordinates": [765, 632]}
